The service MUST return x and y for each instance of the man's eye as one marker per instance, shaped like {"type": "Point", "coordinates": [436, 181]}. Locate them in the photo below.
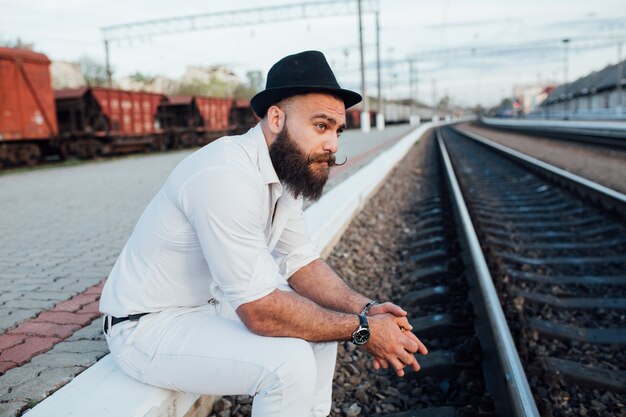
{"type": "Point", "coordinates": [321, 126]}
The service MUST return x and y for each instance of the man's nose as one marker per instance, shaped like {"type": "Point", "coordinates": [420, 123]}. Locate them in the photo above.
{"type": "Point", "coordinates": [332, 144]}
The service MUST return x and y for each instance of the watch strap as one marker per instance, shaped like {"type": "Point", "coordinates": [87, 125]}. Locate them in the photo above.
{"type": "Point", "coordinates": [367, 307]}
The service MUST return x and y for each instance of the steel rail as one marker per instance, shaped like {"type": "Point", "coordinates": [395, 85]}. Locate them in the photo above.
{"type": "Point", "coordinates": [613, 199]}
{"type": "Point", "coordinates": [520, 400]}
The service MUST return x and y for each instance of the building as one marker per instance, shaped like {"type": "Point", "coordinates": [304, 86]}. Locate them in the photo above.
{"type": "Point", "coordinates": [529, 97]}
{"type": "Point", "coordinates": [66, 75]}
{"type": "Point", "coordinates": [599, 95]}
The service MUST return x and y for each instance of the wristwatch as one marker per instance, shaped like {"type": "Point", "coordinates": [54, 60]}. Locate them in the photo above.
{"type": "Point", "coordinates": [362, 334]}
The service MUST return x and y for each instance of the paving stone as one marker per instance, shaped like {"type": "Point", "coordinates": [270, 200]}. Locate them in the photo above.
{"type": "Point", "coordinates": [32, 346]}
{"type": "Point", "coordinates": [47, 382]}
{"type": "Point", "coordinates": [9, 340]}
{"type": "Point", "coordinates": [64, 317]}
{"type": "Point", "coordinates": [45, 295]}
{"type": "Point", "coordinates": [16, 316]}
{"type": "Point", "coordinates": [17, 376]}
{"type": "Point", "coordinates": [12, 408]}
{"type": "Point", "coordinates": [90, 332]}
{"type": "Point", "coordinates": [92, 309]}
{"type": "Point", "coordinates": [22, 303]}
{"type": "Point", "coordinates": [98, 347]}
{"type": "Point", "coordinates": [45, 329]}
{"type": "Point", "coordinates": [55, 359]}
{"type": "Point", "coordinates": [6, 365]}
{"type": "Point", "coordinates": [76, 302]}
{"type": "Point", "coordinates": [8, 296]}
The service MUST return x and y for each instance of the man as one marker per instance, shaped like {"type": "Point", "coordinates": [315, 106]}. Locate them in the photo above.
{"type": "Point", "coordinates": [219, 289]}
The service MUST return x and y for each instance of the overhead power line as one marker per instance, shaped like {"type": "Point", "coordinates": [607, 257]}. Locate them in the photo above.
{"type": "Point", "coordinates": [218, 20]}
{"type": "Point", "coordinates": [243, 17]}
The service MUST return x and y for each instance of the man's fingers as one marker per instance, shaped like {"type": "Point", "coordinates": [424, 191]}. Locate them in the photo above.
{"type": "Point", "coordinates": [403, 323]}
{"type": "Point", "coordinates": [398, 366]}
{"type": "Point", "coordinates": [389, 308]}
{"type": "Point", "coordinates": [383, 363]}
{"type": "Point", "coordinates": [395, 310]}
{"type": "Point", "coordinates": [415, 366]}
{"type": "Point", "coordinates": [420, 347]}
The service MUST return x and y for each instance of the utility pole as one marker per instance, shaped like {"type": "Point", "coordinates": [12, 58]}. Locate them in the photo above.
{"type": "Point", "coordinates": [108, 63]}
{"type": "Point", "coordinates": [380, 115]}
{"type": "Point", "coordinates": [365, 113]}
{"type": "Point", "coordinates": [565, 77]}
{"type": "Point", "coordinates": [414, 117]}
{"type": "Point", "coordinates": [620, 74]}
{"type": "Point", "coordinates": [435, 116]}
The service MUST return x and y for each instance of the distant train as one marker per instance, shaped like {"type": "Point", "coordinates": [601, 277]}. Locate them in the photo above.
{"type": "Point", "coordinates": [37, 121]}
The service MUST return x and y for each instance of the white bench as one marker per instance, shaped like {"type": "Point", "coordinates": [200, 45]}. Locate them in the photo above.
{"type": "Point", "coordinates": [104, 391]}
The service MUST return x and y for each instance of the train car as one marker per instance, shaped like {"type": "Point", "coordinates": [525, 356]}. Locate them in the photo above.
{"type": "Point", "coordinates": [353, 117]}
{"type": "Point", "coordinates": [194, 120]}
{"type": "Point", "coordinates": [37, 121]}
{"type": "Point", "coordinates": [242, 117]}
{"type": "Point", "coordinates": [28, 124]}
{"type": "Point", "coordinates": [101, 121]}
{"type": "Point", "coordinates": [180, 118]}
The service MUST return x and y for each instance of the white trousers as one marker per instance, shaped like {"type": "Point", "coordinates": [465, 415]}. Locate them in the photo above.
{"type": "Point", "coordinates": [208, 350]}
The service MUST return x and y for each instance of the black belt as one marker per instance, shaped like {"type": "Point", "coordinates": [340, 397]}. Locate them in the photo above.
{"type": "Point", "coordinates": [116, 320]}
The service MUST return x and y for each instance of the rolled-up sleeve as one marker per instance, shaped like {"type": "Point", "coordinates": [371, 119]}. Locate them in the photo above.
{"type": "Point", "coordinates": [295, 249]}
{"type": "Point", "coordinates": [225, 207]}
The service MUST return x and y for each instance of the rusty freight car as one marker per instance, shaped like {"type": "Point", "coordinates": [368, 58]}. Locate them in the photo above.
{"type": "Point", "coordinates": [28, 126]}
{"type": "Point", "coordinates": [194, 120]}
{"type": "Point", "coordinates": [102, 121]}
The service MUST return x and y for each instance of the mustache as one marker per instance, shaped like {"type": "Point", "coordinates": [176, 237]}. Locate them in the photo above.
{"type": "Point", "coordinates": [329, 158]}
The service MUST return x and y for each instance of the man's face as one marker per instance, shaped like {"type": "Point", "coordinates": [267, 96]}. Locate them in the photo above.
{"type": "Point", "coordinates": [303, 151]}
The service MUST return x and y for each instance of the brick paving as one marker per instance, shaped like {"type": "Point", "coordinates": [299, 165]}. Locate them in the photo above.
{"type": "Point", "coordinates": [63, 229]}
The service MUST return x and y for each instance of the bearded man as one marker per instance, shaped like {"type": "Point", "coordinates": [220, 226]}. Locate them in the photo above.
{"type": "Point", "coordinates": [219, 289]}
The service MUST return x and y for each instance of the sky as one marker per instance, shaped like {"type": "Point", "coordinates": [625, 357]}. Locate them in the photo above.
{"type": "Point", "coordinates": [513, 42]}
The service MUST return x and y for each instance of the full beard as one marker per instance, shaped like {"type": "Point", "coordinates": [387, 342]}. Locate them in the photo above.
{"type": "Point", "coordinates": [302, 175]}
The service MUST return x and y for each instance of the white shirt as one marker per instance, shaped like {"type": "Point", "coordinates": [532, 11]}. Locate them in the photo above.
{"type": "Point", "coordinates": [221, 227]}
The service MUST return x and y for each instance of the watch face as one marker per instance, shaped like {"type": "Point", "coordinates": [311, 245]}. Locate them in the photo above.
{"type": "Point", "coordinates": [361, 336]}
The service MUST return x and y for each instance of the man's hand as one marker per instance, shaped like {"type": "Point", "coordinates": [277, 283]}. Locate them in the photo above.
{"type": "Point", "coordinates": [405, 329]}
{"type": "Point", "coordinates": [387, 308]}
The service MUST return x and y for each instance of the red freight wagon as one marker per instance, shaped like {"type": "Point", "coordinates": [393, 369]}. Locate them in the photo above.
{"type": "Point", "coordinates": [194, 120]}
{"type": "Point", "coordinates": [26, 105]}
{"type": "Point", "coordinates": [215, 112]}
{"type": "Point", "coordinates": [100, 121]}
{"type": "Point", "coordinates": [130, 113]}
{"type": "Point", "coordinates": [242, 117]}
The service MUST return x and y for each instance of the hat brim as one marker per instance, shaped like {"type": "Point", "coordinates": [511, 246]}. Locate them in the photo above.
{"type": "Point", "coordinates": [263, 100]}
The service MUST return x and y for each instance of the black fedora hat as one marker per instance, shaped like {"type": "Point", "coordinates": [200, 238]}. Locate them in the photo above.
{"type": "Point", "coordinates": [302, 73]}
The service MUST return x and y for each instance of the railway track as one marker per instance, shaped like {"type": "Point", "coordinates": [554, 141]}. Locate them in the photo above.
{"type": "Point", "coordinates": [611, 135]}
{"type": "Point", "coordinates": [558, 259]}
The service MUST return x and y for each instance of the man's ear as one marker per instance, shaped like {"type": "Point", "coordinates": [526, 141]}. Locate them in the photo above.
{"type": "Point", "coordinates": [275, 119]}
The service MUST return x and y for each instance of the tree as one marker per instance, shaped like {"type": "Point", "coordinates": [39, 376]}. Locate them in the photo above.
{"type": "Point", "coordinates": [253, 86]}
{"type": "Point", "coordinates": [17, 43]}
{"type": "Point", "coordinates": [94, 72]}
{"type": "Point", "coordinates": [213, 88]}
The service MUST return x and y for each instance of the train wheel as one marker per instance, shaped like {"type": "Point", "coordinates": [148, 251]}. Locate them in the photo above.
{"type": "Point", "coordinates": [29, 155]}
{"type": "Point", "coordinates": [88, 148]}
{"type": "Point", "coordinates": [64, 151]}
{"type": "Point", "coordinates": [159, 145]}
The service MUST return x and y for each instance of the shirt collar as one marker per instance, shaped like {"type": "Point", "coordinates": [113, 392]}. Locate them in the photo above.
{"type": "Point", "coordinates": [265, 162]}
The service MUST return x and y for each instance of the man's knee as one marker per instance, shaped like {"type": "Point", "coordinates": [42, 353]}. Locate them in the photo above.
{"type": "Point", "coordinates": [298, 364]}
{"type": "Point", "coordinates": [294, 368]}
